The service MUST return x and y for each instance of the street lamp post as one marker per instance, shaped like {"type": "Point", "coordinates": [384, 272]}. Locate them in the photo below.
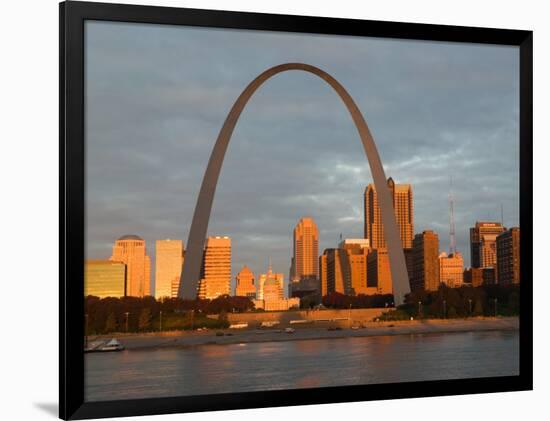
{"type": "Point", "coordinates": [349, 316]}
{"type": "Point", "coordinates": [419, 309]}
{"type": "Point", "coordinates": [160, 322]}
{"type": "Point", "coordinates": [470, 302]}
{"type": "Point", "coordinates": [496, 302]}
{"type": "Point", "coordinates": [444, 309]}
{"type": "Point", "coordinates": [127, 314]}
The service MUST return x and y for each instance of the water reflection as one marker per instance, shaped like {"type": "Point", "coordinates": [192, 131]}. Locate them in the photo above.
{"type": "Point", "coordinates": [299, 364]}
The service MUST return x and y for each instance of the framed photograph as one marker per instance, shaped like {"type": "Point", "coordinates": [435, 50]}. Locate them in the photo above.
{"type": "Point", "coordinates": [265, 210]}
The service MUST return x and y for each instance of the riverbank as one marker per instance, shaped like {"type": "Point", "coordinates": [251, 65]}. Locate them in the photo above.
{"type": "Point", "coordinates": [304, 332]}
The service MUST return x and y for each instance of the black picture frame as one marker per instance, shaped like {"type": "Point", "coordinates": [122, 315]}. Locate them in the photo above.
{"type": "Point", "coordinates": [72, 16]}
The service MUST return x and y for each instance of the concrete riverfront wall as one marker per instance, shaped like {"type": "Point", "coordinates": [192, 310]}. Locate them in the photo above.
{"type": "Point", "coordinates": [309, 318]}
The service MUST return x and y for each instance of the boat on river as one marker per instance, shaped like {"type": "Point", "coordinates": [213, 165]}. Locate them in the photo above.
{"type": "Point", "coordinates": [104, 346]}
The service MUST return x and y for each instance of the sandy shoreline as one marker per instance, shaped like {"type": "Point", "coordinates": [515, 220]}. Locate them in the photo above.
{"type": "Point", "coordinates": [235, 336]}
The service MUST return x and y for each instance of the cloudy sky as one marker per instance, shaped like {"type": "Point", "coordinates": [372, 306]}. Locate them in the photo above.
{"type": "Point", "coordinates": [156, 97]}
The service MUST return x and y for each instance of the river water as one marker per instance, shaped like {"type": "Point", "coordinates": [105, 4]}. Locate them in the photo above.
{"type": "Point", "coordinates": [164, 372]}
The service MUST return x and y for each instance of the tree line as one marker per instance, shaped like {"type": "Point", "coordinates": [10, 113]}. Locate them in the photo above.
{"type": "Point", "coordinates": [135, 314]}
{"type": "Point", "coordinates": [466, 301]}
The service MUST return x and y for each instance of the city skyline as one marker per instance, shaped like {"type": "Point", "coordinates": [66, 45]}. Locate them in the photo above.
{"type": "Point", "coordinates": [303, 158]}
{"type": "Point", "coordinates": [218, 261]}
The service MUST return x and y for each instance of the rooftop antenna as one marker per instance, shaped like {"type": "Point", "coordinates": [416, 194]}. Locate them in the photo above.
{"type": "Point", "coordinates": [269, 268]}
{"type": "Point", "coordinates": [452, 237]}
{"type": "Point", "coordinates": [502, 214]}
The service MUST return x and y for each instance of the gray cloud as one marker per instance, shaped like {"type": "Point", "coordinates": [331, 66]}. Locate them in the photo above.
{"type": "Point", "coordinates": [156, 97]}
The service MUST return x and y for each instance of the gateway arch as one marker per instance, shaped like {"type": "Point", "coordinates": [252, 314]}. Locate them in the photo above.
{"type": "Point", "coordinates": [195, 243]}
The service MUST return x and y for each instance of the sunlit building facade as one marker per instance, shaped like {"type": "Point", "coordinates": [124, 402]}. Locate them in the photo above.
{"type": "Point", "coordinates": [357, 251]}
{"type": "Point", "coordinates": [306, 250]}
{"type": "Point", "coordinates": [451, 269]}
{"type": "Point", "coordinates": [335, 275]}
{"type": "Point", "coordinates": [508, 257]}
{"type": "Point", "coordinates": [130, 250]}
{"type": "Point", "coordinates": [483, 248]}
{"type": "Point", "coordinates": [169, 262]}
{"type": "Point", "coordinates": [323, 274]}
{"type": "Point", "coordinates": [216, 268]}
{"type": "Point", "coordinates": [278, 278]}
{"type": "Point", "coordinates": [402, 198]}
{"type": "Point", "coordinates": [245, 286]}
{"type": "Point", "coordinates": [104, 278]}
{"type": "Point", "coordinates": [271, 293]}
{"type": "Point", "coordinates": [378, 272]}
{"type": "Point", "coordinates": [425, 262]}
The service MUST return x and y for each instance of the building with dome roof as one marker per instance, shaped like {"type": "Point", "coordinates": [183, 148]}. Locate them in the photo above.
{"type": "Point", "coordinates": [271, 295]}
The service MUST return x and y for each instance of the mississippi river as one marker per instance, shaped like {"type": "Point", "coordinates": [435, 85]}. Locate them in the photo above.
{"type": "Point", "coordinates": [208, 369]}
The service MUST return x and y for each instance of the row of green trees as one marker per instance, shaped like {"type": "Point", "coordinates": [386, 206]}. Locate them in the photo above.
{"type": "Point", "coordinates": [133, 314]}
{"type": "Point", "coordinates": [487, 300]}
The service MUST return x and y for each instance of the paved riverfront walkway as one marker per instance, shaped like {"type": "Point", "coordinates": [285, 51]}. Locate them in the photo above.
{"type": "Point", "coordinates": [301, 332]}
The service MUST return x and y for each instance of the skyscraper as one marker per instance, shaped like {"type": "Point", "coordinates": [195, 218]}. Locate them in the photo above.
{"type": "Point", "coordinates": [104, 278]}
{"type": "Point", "coordinates": [245, 286]}
{"type": "Point", "coordinates": [357, 251]}
{"type": "Point", "coordinates": [402, 197]}
{"type": "Point", "coordinates": [508, 257]}
{"type": "Point", "coordinates": [277, 278]}
{"type": "Point", "coordinates": [216, 268]}
{"type": "Point", "coordinates": [130, 250]}
{"type": "Point", "coordinates": [169, 262]}
{"type": "Point", "coordinates": [335, 271]}
{"type": "Point", "coordinates": [451, 269]}
{"type": "Point", "coordinates": [483, 247]}
{"type": "Point", "coordinates": [345, 269]}
{"type": "Point", "coordinates": [323, 274]}
{"type": "Point", "coordinates": [306, 250]}
{"type": "Point", "coordinates": [425, 262]}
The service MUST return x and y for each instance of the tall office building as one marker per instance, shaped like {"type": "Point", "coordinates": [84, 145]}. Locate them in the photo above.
{"type": "Point", "coordinates": [508, 256]}
{"type": "Point", "coordinates": [323, 274]}
{"type": "Point", "coordinates": [216, 268]}
{"type": "Point", "coordinates": [104, 278]}
{"type": "Point", "coordinates": [402, 198]}
{"type": "Point", "coordinates": [306, 250]}
{"type": "Point", "coordinates": [245, 286]}
{"type": "Point", "coordinates": [378, 272]}
{"type": "Point", "coordinates": [357, 251]}
{"type": "Point", "coordinates": [483, 249]}
{"type": "Point", "coordinates": [169, 262]}
{"type": "Point", "coordinates": [336, 276]}
{"type": "Point", "coordinates": [130, 250]}
{"type": "Point", "coordinates": [344, 269]}
{"type": "Point", "coordinates": [273, 278]}
{"type": "Point", "coordinates": [451, 269]}
{"type": "Point", "coordinates": [425, 262]}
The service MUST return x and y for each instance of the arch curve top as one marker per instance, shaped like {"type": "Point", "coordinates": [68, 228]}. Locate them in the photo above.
{"type": "Point", "coordinates": [195, 244]}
